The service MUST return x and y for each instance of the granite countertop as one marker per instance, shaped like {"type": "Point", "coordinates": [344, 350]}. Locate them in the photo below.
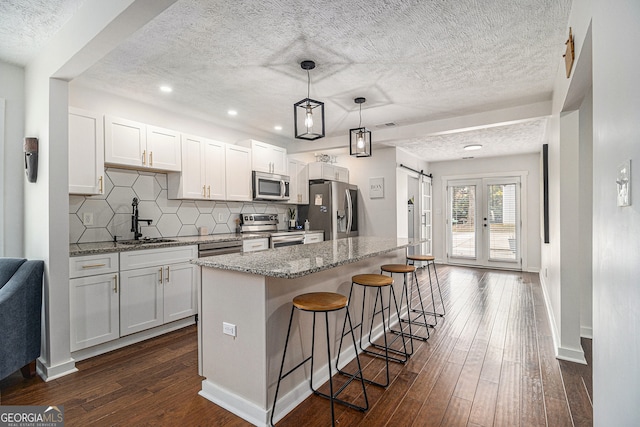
{"type": "Point", "coordinates": [77, 249]}
{"type": "Point", "coordinates": [290, 262]}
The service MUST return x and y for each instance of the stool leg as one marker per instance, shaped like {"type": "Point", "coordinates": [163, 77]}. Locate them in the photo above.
{"type": "Point", "coordinates": [444, 309]}
{"type": "Point", "coordinates": [286, 343]}
{"type": "Point", "coordinates": [331, 396]}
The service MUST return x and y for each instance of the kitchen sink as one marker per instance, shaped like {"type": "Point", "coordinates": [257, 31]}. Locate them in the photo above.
{"type": "Point", "coordinates": [145, 241]}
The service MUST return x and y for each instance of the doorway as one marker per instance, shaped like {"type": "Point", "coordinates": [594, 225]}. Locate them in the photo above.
{"type": "Point", "coordinates": [483, 222]}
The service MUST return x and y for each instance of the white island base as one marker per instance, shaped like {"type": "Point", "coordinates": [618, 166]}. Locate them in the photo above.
{"type": "Point", "coordinates": [241, 372]}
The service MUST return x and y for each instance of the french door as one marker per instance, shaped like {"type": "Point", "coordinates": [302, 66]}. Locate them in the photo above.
{"type": "Point", "coordinates": [483, 222]}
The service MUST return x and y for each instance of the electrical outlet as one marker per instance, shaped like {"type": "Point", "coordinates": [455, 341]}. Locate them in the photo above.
{"type": "Point", "coordinates": [87, 218]}
{"type": "Point", "coordinates": [220, 216]}
{"type": "Point", "coordinates": [229, 329]}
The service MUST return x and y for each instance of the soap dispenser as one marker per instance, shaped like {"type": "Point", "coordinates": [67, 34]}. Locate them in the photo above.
{"type": "Point", "coordinates": [307, 226]}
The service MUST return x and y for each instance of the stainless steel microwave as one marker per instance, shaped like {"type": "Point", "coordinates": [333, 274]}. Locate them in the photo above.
{"type": "Point", "coordinates": [269, 186]}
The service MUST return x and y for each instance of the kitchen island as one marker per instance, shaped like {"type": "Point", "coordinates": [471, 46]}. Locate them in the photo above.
{"type": "Point", "coordinates": [252, 292]}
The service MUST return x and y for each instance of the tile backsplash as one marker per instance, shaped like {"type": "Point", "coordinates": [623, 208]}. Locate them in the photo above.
{"type": "Point", "coordinates": [110, 213]}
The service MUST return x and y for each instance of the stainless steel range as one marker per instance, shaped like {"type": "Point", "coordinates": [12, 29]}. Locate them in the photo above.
{"type": "Point", "coordinates": [268, 224]}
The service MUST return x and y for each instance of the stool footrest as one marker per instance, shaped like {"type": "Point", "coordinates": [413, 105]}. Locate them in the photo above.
{"type": "Point", "coordinates": [412, 336]}
{"type": "Point", "coordinates": [382, 356]}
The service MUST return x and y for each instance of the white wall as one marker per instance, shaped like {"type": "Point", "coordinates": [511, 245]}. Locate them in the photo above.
{"type": "Point", "coordinates": [585, 207]}
{"type": "Point", "coordinates": [527, 162]}
{"type": "Point", "coordinates": [616, 270]}
{"type": "Point", "coordinates": [106, 103]}
{"type": "Point", "coordinates": [12, 169]}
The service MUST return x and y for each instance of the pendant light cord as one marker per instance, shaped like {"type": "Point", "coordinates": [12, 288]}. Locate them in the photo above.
{"type": "Point", "coordinates": [308, 85]}
{"type": "Point", "coordinates": [360, 121]}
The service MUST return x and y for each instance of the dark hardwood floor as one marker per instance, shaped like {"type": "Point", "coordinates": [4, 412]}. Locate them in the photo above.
{"type": "Point", "coordinates": [490, 361]}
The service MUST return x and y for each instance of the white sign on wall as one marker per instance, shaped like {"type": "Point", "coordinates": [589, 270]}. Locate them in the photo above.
{"type": "Point", "coordinates": [376, 188]}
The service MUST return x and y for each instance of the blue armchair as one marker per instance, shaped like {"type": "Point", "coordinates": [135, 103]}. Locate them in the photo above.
{"type": "Point", "coordinates": [20, 315]}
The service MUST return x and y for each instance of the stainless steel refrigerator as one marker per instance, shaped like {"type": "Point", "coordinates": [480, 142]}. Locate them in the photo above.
{"type": "Point", "coordinates": [333, 207]}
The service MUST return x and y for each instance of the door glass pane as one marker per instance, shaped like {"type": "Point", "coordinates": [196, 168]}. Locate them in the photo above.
{"type": "Point", "coordinates": [463, 227]}
{"type": "Point", "coordinates": [502, 221]}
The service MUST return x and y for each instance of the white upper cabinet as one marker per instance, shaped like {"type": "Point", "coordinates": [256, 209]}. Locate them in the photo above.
{"type": "Point", "coordinates": [299, 184]}
{"type": "Point", "coordinates": [133, 144]}
{"type": "Point", "coordinates": [322, 170]}
{"type": "Point", "coordinates": [203, 171]}
{"type": "Point", "coordinates": [163, 147]}
{"type": "Point", "coordinates": [266, 157]}
{"type": "Point", "coordinates": [238, 173]}
{"type": "Point", "coordinates": [86, 152]}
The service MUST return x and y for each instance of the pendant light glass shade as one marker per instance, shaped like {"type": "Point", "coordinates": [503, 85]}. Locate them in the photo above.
{"type": "Point", "coordinates": [308, 114]}
{"type": "Point", "coordinates": [360, 137]}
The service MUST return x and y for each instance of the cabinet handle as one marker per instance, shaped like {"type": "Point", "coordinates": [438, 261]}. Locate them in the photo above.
{"type": "Point", "coordinates": [208, 191]}
{"type": "Point", "coordinates": [115, 286]}
{"type": "Point", "coordinates": [161, 274]}
{"type": "Point", "coordinates": [144, 157]}
{"type": "Point", "coordinates": [93, 265]}
{"type": "Point", "coordinates": [203, 192]}
{"type": "Point", "coordinates": [150, 158]}
{"type": "Point", "coordinates": [100, 182]}
{"type": "Point", "coordinates": [167, 279]}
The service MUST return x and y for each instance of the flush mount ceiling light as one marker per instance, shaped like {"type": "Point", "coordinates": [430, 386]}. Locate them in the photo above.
{"type": "Point", "coordinates": [232, 112]}
{"type": "Point", "coordinates": [360, 137]}
{"type": "Point", "coordinates": [308, 114]}
{"type": "Point", "coordinates": [166, 89]}
{"type": "Point", "coordinates": [472, 147]}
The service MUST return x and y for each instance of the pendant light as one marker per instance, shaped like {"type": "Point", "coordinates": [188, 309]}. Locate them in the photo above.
{"type": "Point", "coordinates": [360, 137]}
{"type": "Point", "coordinates": [308, 114]}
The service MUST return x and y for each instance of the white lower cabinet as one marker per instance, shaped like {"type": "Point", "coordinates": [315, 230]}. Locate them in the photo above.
{"type": "Point", "coordinates": [94, 300]}
{"type": "Point", "coordinates": [164, 289]}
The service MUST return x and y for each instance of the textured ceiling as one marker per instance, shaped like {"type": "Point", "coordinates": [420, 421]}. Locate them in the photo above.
{"type": "Point", "coordinates": [414, 60]}
{"type": "Point", "coordinates": [26, 25]}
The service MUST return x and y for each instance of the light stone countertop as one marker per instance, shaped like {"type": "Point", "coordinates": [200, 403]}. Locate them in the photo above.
{"type": "Point", "coordinates": [78, 249]}
{"type": "Point", "coordinates": [290, 262]}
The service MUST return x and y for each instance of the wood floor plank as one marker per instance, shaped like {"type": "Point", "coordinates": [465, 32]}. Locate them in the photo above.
{"type": "Point", "coordinates": [489, 361]}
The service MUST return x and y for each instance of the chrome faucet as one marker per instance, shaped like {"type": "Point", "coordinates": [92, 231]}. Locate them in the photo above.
{"type": "Point", "coordinates": [135, 221]}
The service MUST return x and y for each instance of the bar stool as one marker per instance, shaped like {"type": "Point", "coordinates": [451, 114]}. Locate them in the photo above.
{"type": "Point", "coordinates": [430, 261]}
{"type": "Point", "coordinates": [405, 270]}
{"type": "Point", "coordinates": [377, 282]}
{"type": "Point", "coordinates": [321, 302]}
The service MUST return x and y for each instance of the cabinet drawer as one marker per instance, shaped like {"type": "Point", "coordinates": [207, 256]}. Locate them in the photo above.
{"type": "Point", "coordinates": [161, 256]}
{"type": "Point", "coordinates": [313, 238]}
{"type": "Point", "coordinates": [91, 265]}
{"type": "Point", "coordinates": [251, 245]}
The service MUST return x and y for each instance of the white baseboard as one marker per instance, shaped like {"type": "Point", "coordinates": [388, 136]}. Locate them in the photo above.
{"type": "Point", "coordinates": [235, 404]}
{"type": "Point", "coordinates": [49, 373]}
{"type": "Point", "coordinates": [563, 353]}
{"type": "Point", "coordinates": [132, 339]}
{"type": "Point", "coordinates": [586, 332]}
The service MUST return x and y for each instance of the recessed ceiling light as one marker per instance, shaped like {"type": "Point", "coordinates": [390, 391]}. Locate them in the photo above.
{"type": "Point", "coordinates": [232, 112]}
{"type": "Point", "coordinates": [277, 127]}
{"type": "Point", "coordinates": [473, 147]}
{"type": "Point", "coordinates": [166, 89]}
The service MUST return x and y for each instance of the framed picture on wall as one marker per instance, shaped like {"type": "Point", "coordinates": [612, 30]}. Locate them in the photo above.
{"type": "Point", "coordinates": [376, 188]}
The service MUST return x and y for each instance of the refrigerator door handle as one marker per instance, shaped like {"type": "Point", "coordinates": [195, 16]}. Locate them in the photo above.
{"type": "Point", "coordinates": [282, 189]}
{"type": "Point", "coordinates": [350, 210]}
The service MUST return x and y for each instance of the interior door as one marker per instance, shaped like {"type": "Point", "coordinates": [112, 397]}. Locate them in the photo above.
{"type": "Point", "coordinates": [483, 222]}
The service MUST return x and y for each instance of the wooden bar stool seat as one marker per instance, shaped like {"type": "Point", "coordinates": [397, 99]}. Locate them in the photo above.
{"type": "Point", "coordinates": [376, 282]}
{"type": "Point", "coordinates": [430, 261]}
{"type": "Point", "coordinates": [406, 270]}
{"type": "Point", "coordinates": [322, 302]}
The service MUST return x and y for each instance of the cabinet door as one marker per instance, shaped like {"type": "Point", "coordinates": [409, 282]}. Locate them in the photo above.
{"type": "Point", "coordinates": [313, 238]}
{"type": "Point", "coordinates": [278, 158]}
{"type": "Point", "coordinates": [141, 302]}
{"type": "Point", "coordinates": [215, 170]}
{"type": "Point", "coordinates": [238, 173]}
{"type": "Point", "coordinates": [180, 287]}
{"type": "Point", "coordinates": [294, 191]}
{"type": "Point", "coordinates": [125, 142]}
{"type": "Point", "coordinates": [261, 157]}
{"type": "Point", "coordinates": [86, 152]}
{"type": "Point", "coordinates": [189, 183]}
{"type": "Point", "coordinates": [163, 149]}
{"type": "Point", "coordinates": [94, 307]}
{"type": "Point", "coordinates": [303, 184]}
{"type": "Point", "coordinates": [342, 174]}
